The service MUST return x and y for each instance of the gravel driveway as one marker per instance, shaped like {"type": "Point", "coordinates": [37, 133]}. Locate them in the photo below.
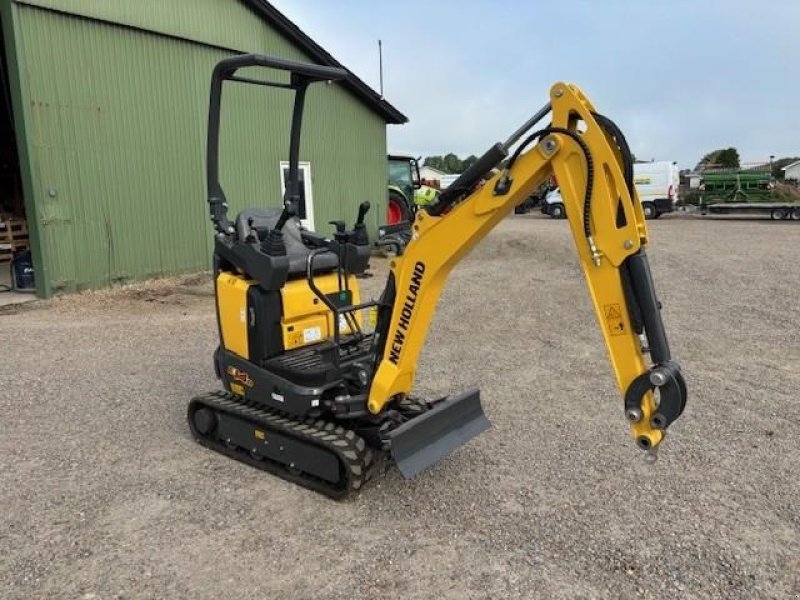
{"type": "Point", "coordinates": [103, 493]}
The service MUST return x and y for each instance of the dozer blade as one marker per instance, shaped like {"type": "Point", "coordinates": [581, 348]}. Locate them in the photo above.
{"type": "Point", "coordinates": [429, 437]}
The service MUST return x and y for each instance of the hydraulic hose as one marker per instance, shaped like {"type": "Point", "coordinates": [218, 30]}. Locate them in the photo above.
{"type": "Point", "coordinates": [587, 197]}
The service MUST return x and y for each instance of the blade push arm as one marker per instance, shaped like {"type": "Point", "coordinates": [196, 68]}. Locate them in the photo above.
{"type": "Point", "coordinates": [607, 224]}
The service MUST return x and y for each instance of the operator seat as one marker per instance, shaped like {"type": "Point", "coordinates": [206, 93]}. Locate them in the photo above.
{"type": "Point", "coordinates": [251, 221]}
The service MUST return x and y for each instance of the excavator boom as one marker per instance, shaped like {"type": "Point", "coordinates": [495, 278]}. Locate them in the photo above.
{"type": "Point", "coordinates": [589, 158]}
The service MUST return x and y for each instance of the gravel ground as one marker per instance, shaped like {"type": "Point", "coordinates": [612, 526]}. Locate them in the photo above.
{"type": "Point", "coordinates": [105, 495]}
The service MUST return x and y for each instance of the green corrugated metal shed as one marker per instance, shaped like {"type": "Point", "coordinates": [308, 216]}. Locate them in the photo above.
{"type": "Point", "coordinates": [110, 104]}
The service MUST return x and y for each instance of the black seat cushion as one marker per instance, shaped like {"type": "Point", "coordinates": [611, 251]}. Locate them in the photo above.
{"type": "Point", "coordinates": [265, 218]}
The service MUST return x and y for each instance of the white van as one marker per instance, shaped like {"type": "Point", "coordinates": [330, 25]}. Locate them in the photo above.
{"type": "Point", "coordinates": [656, 183]}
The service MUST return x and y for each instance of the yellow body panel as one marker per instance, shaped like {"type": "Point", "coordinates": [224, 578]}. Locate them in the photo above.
{"type": "Point", "coordinates": [439, 243]}
{"type": "Point", "coordinates": [232, 309]}
{"type": "Point", "coordinates": [306, 320]}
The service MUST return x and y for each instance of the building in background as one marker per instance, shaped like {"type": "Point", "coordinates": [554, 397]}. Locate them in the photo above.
{"type": "Point", "coordinates": [105, 107]}
{"type": "Point", "coordinates": [446, 180]}
{"type": "Point", "coordinates": [431, 176]}
{"type": "Point", "coordinates": [792, 171]}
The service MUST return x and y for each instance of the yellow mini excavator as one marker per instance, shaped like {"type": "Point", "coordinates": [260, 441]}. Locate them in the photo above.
{"type": "Point", "coordinates": [314, 395]}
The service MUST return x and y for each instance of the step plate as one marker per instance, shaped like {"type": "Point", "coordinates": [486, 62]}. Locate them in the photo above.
{"type": "Point", "coordinates": [426, 439]}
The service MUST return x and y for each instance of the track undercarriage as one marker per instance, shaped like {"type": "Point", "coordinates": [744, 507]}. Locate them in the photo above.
{"type": "Point", "coordinates": [335, 457]}
{"type": "Point", "coordinates": [317, 454]}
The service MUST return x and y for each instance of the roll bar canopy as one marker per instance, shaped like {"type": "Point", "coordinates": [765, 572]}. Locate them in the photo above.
{"type": "Point", "coordinates": [302, 74]}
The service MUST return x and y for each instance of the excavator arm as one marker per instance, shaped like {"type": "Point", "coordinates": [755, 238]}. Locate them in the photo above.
{"type": "Point", "coordinates": [590, 160]}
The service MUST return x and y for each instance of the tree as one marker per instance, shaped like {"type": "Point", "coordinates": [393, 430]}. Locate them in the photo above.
{"type": "Point", "coordinates": [468, 162]}
{"type": "Point", "coordinates": [450, 163]}
{"type": "Point", "coordinates": [434, 162]}
{"type": "Point", "coordinates": [726, 158]}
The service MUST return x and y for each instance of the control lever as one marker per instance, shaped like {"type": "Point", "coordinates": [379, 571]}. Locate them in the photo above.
{"type": "Point", "coordinates": [359, 229]}
{"type": "Point", "coordinates": [273, 243]}
{"type": "Point", "coordinates": [290, 201]}
{"type": "Point", "coordinates": [363, 209]}
{"type": "Point", "coordinates": [340, 234]}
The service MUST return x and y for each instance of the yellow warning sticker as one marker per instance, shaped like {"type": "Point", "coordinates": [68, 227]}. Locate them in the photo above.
{"type": "Point", "coordinates": [613, 314]}
{"type": "Point", "coordinates": [260, 435]}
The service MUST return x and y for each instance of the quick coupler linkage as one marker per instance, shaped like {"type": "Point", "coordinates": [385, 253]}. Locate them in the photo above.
{"type": "Point", "coordinates": [665, 374]}
{"type": "Point", "coordinates": [668, 380]}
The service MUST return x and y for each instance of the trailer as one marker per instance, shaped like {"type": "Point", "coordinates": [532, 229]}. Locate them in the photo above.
{"type": "Point", "coordinates": [777, 211]}
{"type": "Point", "coordinates": [744, 192]}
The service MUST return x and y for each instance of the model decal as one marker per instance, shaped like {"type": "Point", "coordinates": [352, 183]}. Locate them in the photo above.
{"type": "Point", "coordinates": [406, 313]}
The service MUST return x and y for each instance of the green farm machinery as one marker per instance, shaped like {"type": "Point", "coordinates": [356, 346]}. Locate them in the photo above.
{"type": "Point", "coordinates": [748, 191]}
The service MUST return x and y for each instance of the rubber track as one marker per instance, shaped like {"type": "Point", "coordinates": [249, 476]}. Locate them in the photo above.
{"type": "Point", "coordinates": [355, 459]}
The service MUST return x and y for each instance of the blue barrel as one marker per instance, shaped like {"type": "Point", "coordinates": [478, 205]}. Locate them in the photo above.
{"type": "Point", "coordinates": [22, 271]}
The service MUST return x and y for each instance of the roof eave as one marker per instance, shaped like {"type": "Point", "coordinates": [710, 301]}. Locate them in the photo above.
{"type": "Point", "coordinates": [294, 34]}
{"type": "Point", "coordinates": [789, 166]}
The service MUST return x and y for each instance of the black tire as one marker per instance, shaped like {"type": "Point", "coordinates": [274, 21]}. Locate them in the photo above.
{"type": "Point", "coordinates": [557, 211]}
{"type": "Point", "coordinates": [658, 215]}
{"type": "Point", "coordinates": [649, 210]}
{"type": "Point", "coordinates": [796, 214]}
{"type": "Point", "coordinates": [778, 214]}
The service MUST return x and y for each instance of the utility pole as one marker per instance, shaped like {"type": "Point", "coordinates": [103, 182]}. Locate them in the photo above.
{"type": "Point", "coordinates": [380, 65]}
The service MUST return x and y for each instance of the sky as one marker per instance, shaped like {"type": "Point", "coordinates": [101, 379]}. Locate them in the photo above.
{"type": "Point", "coordinates": [680, 77]}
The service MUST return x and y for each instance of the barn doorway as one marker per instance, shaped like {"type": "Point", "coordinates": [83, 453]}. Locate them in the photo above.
{"type": "Point", "coordinates": [14, 240]}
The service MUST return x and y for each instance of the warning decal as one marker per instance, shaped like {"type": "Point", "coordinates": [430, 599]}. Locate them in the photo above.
{"type": "Point", "coordinates": [613, 314]}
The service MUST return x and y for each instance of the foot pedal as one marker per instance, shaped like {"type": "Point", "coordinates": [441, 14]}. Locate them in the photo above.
{"type": "Point", "coordinates": [429, 437]}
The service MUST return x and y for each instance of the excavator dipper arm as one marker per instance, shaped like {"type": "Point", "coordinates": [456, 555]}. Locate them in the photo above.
{"type": "Point", "coordinates": [590, 160]}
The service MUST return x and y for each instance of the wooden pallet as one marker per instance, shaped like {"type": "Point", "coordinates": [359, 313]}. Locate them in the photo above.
{"type": "Point", "coordinates": [13, 238]}
{"type": "Point", "coordinates": [13, 230]}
